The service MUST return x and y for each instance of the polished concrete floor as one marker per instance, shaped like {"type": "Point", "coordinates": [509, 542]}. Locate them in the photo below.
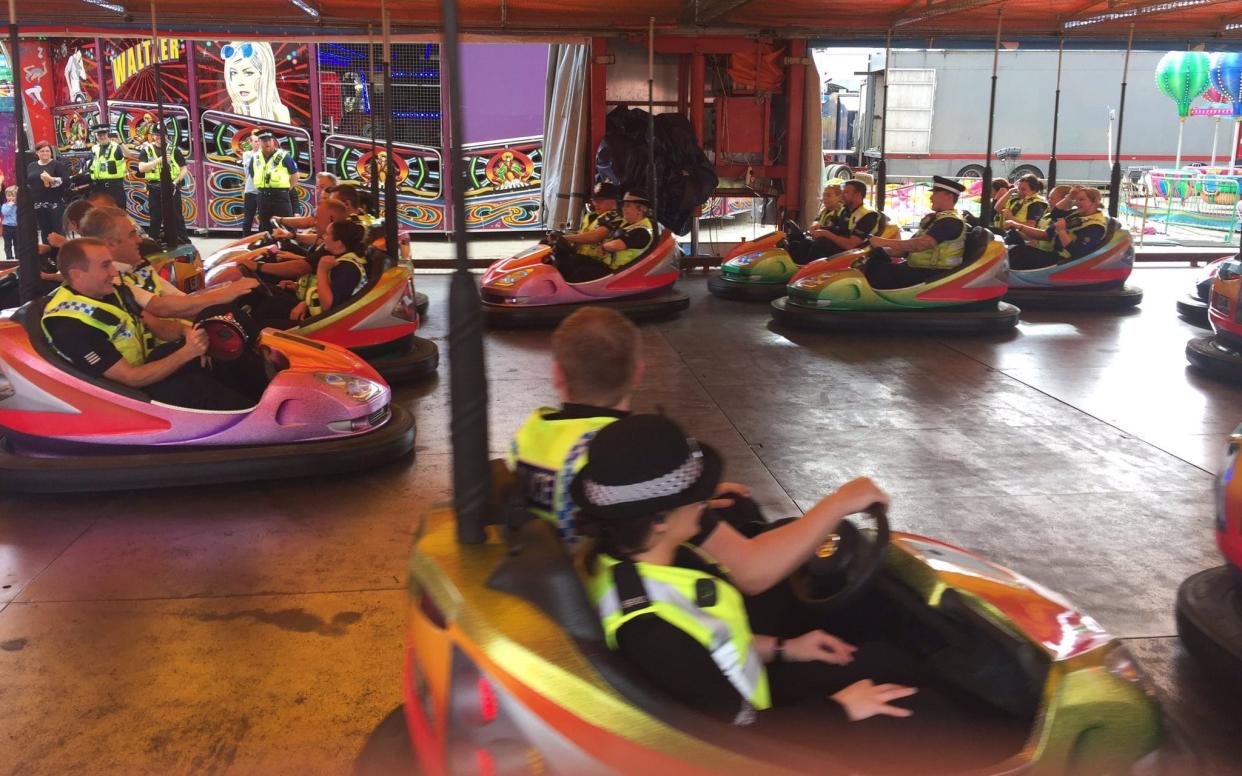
{"type": "Point", "coordinates": [258, 629]}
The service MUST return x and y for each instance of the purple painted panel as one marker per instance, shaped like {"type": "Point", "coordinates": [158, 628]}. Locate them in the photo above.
{"type": "Point", "coordinates": [503, 90]}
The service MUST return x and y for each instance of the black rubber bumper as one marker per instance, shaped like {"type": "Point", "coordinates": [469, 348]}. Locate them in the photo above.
{"type": "Point", "coordinates": [421, 303]}
{"type": "Point", "coordinates": [1194, 311]}
{"type": "Point", "coordinates": [744, 292]}
{"type": "Point", "coordinates": [388, 750]}
{"type": "Point", "coordinates": [410, 359]}
{"type": "Point", "coordinates": [172, 467]}
{"type": "Point", "coordinates": [1072, 299]}
{"type": "Point", "coordinates": [1209, 621]}
{"type": "Point", "coordinates": [1211, 357]}
{"type": "Point", "coordinates": [934, 321]}
{"type": "Point", "coordinates": [665, 304]}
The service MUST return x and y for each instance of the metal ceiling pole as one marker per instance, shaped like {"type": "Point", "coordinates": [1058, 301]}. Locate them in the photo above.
{"type": "Point", "coordinates": [166, 197]}
{"type": "Point", "coordinates": [27, 245]}
{"type": "Point", "coordinates": [1056, 115]}
{"type": "Point", "coordinates": [1114, 182]}
{"type": "Point", "coordinates": [985, 193]}
{"type": "Point", "coordinates": [881, 168]}
{"type": "Point", "coordinates": [374, 163]}
{"type": "Point", "coordinates": [651, 163]}
{"type": "Point", "coordinates": [390, 167]}
{"type": "Point", "coordinates": [472, 480]}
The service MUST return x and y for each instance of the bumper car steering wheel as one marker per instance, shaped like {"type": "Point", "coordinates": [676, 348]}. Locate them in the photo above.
{"type": "Point", "coordinates": [265, 286]}
{"type": "Point", "coordinates": [843, 566]}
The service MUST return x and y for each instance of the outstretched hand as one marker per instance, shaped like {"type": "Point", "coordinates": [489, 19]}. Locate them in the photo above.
{"type": "Point", "coordinates": [722, 499]}
{"type": "Point", "coordinates": [864, 699]}
{"type": "Point", "coordinates": [822, 646]}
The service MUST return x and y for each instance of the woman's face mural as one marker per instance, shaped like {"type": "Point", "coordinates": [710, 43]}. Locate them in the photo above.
{"type": "Point", "coordinates": [241, 73]}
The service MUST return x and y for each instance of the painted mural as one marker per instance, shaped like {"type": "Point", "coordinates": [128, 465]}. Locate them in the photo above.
{"type": "Point", "coordinates": [216, 93]}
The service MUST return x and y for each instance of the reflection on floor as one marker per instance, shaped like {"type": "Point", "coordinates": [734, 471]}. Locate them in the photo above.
{"type": "Point", "coordinates": [259, 628]}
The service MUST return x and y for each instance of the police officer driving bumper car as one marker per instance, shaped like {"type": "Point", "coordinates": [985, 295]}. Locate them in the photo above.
{"type": "Point", "coordinates": [630, 236]}
{"type": "Point", "coordinates": [938, 246]}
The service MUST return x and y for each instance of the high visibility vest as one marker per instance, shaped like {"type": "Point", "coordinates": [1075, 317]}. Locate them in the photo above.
{"type": "Point", "coordinates": [705, 607]}
{"type": "Point", "coordinates": [1045, 223]}
{"type": "Point", "coordinates": [946, 254]}
{"type": "Point", "coordinates": [308, 284]}
{"type": "Point", "coordinates": [112, 317]}
{"type": "Point", "coordinates": [1021, 207]}
{"type": "Point", "coordinates": [829, 219]}
{"type": "Point", "coordinates": [545, 455]}
{"type": "Point", "coordinates": [590, 222]}
{"type": "Point", "coordinates": [271, 173]}
{"type": "Point", "coordinates": [621, 258]}
{"type": "Point", "coordinates": [107, 162]}
{"type": "Point", "coordinates": [861, 212]}
{"type": "Point", "coordinates": [152, 153]}
{"type": "Point", "coordinates": [1075, 223]}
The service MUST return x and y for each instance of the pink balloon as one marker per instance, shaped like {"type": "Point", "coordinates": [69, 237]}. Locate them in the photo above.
{"type": "Point", "coordinates": [1213, 96]}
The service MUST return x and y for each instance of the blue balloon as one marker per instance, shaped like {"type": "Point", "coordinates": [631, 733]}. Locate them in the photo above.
{"type": "Point", "coordinates": [1226, 74]}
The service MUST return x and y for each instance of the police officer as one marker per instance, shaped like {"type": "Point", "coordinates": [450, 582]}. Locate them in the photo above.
{"type": "Point", "coordinates": [1069, 236]}
{"type": "Point", "coordinates": [814, 244]}
{"type": "Point", "coordinates": [634, 236]}
{"type": "Point", "coordinates": [150, 166]}
{"type": "Point", "coordinates": [108, 166]}
{"type": "Point", "coordinates": [938, 245]}
{"type": "Point", "coordinates": [856, 223]}
{"type": "Point", "coordinates": [1025, 205]}
{"type": "Point", "coordinates": [275, 172]}
{"type": "Point", "coordinates": [579, 255]}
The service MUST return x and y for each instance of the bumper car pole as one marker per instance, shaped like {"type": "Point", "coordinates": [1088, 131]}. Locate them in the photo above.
{"type": "Point", "coordinates": [467, 373]}
{"type": "Point", "coordinates": [390, 168]}
{"type": "Point", "coordinates": [373, 164]}
{"type": "Point", "coordinates": [1114, 182]}
{"type": "Point", "coordinates": [27, 235]}
{"type": "Point", "coordinates": [1056, 114]}
{"type": "Point", "coordinates": [881, 168]}
{"type": "Point", "coordinates": [651, 163]}
{"type": "Point", "coordinates": [166, 197]}
{"type": "Point", "coordinates": [985, 192]}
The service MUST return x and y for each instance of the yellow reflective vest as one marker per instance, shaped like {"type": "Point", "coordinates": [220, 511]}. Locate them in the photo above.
{"type": "Point", "coordinates": [704, 606]}
{"type": "Point", "coordinates": [1074, 223]}
{"type": "Point", "coordinates": [591, 222]}
{"type": "Point", "coordinates": [308, 284]}
{"type": "Point", "coordinates": [271, 173]}
{"type": "Point", "coordinates": [862, 212]}
{"type": "Point", "coordinates": [621, 258]}
{"type": "Point", "coordinates": [545, 455]}
{"type": "Point", "coordinates": [151, 153]}
{"type": "Point", "coordinates": [107, 162]}
{"type": "Point", "coordinates": [946, 254]}
{"type": "Point", "coordinates": [111, 316]}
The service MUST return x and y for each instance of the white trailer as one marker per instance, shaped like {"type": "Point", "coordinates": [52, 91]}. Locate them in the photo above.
{"type": "Point", "coordinates": [938, 114]}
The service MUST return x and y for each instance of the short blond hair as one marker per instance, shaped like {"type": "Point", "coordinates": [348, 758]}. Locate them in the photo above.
{"type": "Point", "coordinates": [598, 351]}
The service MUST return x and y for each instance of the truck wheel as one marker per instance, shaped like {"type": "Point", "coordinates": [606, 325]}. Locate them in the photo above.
{"type": "Point", "coordinates": [839, 171]}
{"type": "Point", "coordinates": [971, 171]}
{"type": "Point", "coordinates": [1026, 169]}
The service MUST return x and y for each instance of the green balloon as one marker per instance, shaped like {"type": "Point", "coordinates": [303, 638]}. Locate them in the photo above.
{"type": "Point", "coordinates": [1183, 76]}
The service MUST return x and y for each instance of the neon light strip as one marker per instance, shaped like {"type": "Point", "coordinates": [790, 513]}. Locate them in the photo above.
{"type": "Point", "coordinates": [113, 7]}
{"type": "Point", "coordinates": [1133, 12]}
{"type": "Point", "coordinates": [306, 9]}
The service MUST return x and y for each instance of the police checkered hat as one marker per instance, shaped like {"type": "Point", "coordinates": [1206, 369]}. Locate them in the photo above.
{"type": "Point", "coordinates": [643, 465]}
{"type": "Point", "coordinates": [97, 128]}
{"type": "Point", "coordinates": [947, 184]}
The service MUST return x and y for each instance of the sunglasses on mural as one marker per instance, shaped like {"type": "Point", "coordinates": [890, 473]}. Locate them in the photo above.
{"type": "Point", "coordinates": [230, 50]}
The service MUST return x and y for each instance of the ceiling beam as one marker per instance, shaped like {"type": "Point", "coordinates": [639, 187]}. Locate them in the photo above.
{"type": "Point", "coordinates": [702, 12]}
{"type": "Point", "coordinates": [933, 10]}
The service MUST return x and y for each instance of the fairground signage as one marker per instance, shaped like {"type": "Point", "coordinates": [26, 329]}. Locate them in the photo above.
{"type": "Point", "coordinates": [135, 59]}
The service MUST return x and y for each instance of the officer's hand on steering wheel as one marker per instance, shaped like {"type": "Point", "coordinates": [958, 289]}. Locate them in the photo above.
{"type": "Point", "coordinates": [822, 646]}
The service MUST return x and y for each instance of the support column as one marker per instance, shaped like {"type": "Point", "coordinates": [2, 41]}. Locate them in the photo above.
{"type": "Point", "coordinates": [698, 69]}
{"type": "Point", "coordinates": [201, 194]}
{"type": "Point", "coordinates": [599, 90]}
{"type": "Point", "coordinates": [316, 115]}
{"type": "Point", "coordinates": [793, 117]}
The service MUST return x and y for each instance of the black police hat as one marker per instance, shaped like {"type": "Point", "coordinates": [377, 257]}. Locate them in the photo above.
{"type": "Point", "coordinates": [606, 190]}
{"type": "Point", "coordinates": [637, 196]}
{"type": "Point", "coordinates": [97, 128]}
{"type": "Point", "coordinates": [947, 184]}
{"type": "Point", "coordinates": [266, 134]}
{"type": "Point", "coordinates": [642, 465]}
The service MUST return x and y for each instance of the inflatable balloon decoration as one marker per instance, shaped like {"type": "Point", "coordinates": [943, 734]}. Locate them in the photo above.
{"type": "Point", "coordinates": [1226, 78]}
{"type": "Point", "coordinates": [1183, 76]}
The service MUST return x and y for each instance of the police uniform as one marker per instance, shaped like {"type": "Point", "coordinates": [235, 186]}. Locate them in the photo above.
{"type": "Point", "coordinates": [1023, 209]}
{"type": "Point", "coordinates": [349, 276]}
{"type": "Point", "coordinates": [155, 202]}
{"type": "Point", "coordinates": [947, 227]}
{"type": "Point", "coordinates": [107, 168]}
{"type": "Point", "coordinates": [273, 181]}
{"type": "Point", "coordinates": [548, 450]}
{"type": "Point", "coordinates": [1088, 233]}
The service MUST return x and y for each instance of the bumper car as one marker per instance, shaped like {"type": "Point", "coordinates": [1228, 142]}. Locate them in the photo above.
{"type": "Point", "coordinates": [1193, 307]}
{"type": "Point", "coordinates": [1209, 604]}
{"type": "Point", "coordinates": [1097, 281]}
{"type": "Point", "coordinates": [506, 669]}
{"type": "Point", "coordinates": [323, 411]}
{"type": "Point", "coordinates": [1220, 354]}
{"type": "Point", "coordinates": [833, 294]}
{"type": "Point", "coordinates": [182, 266]}
{"type": "Point", "coordinates": [378, 323]}
{"type": "Point", "coordinates": [758, 270]}
{"type": "Point", "coordinates": [527, 290]}
{"type": "Point", "coordinates": [256, 246]}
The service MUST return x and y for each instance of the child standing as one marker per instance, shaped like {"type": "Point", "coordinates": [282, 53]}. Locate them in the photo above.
{"type": "Point", "coordinates": [8, 214]}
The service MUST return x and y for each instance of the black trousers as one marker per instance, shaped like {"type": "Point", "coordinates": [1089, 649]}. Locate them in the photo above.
{"type": "Point", "coordinates": [804, 251]}
{"type": "Point", "coordinates": [176, 223]}
{"type": "Point", "coordinates": [577, 268]}
{"type": "Point", "coordinates": [114, 188]}
{"type": "Point", "coordinates": [228, 386]}
{"type": "Point", "coordinates": [882, 272]}
{"type": "Point", "coordinates": [1030, 257]}
{"type": "Point", "coordinates": [273, 202]}
{"type": "Point", "coordinates": [48, 216]}
{"type": "Point", "coordinates": [250, 206]}
{"type": "Point", "coordinates": [10, 241]}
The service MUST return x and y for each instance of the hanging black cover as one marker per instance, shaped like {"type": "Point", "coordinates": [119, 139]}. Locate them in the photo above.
{"type": "Point", "coordinates": [685, 178]}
